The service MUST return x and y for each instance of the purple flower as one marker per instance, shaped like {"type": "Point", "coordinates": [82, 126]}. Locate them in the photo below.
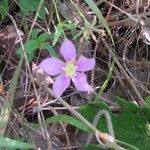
{"type": "Point", "coordinates": [69, 70]}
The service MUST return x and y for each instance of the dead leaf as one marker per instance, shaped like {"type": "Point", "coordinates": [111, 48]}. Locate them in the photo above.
{"type": "Point", "coordinates": [9, 41]}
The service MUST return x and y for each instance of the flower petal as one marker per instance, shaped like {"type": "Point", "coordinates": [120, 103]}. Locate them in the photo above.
{"type": "Point", "coordinates": [85, 64]}
{"type": "Point", "coordinates": [61, 84]}
{"type": "Point", "coordinates": [80, 82]}
{"type": "Point", "coordinates": [52, 66]}
{"type": "Point", "coordinates": [68, 50]}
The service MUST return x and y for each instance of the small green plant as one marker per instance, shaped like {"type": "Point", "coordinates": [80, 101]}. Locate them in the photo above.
{"type": "Point", "coordinates": [59, 30]}
{"type": "Point", "coordinates": [37, 41]}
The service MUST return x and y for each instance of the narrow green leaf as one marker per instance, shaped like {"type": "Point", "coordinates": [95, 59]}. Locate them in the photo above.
{"type": "Point", "coordinates": [3, 9]}
{"type": "Point", "coordinates": [68, 119]}
{"type": "Point", "coordinates": [102, 20]}
{"type": "Point", "coordinates": [79, 34]}
{"type": "Point", "coordinates": [9, 143]}
{"type": "Point", "coordinates": [58, 33]}
{"type": "Point", "coordinates": [30, 46]}
{"type": "Point", "coordinates": [50, 49]}
{"type": "Point", "coordinates": [42, 13]}
{"type": "Point", "coordinates": [35, 33]}
{"type": "Point", "coordinates": [43, 38]}
{"type": "Point", "coordinates": [69, 25]}
{"type": "Point", "coordinates": [27, 7]}
{"type": "Point", "coordinates": [148, 100]}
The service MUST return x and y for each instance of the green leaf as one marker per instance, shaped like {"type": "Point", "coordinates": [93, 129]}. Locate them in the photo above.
{"type": "Point", "coordinates": [130, 125]}
{"type": "Point", "coordinates": [35, 33]}
{"type": "Point", "coordinates": [60, 29]}
{"type": "Point", "coordinates": [27, 7]}
{"type": "Point", "coordinates": [69, 25]}
{"type": "Point", "coordinates": [102, 20]}
{"type": "Point", "coordinates": [3, 9]}
{"type": "Point", "coordinates": [50, 49]}
{"type": "Point", "coordinates": [30, 48]}
{"type": "Point", "coordinates": [43, 37]}
{"type": "Point", "coordinates": [42, 13]}
{"type": "Point", "coordinates": [148, 100]}
{"type": "Point", "coordinates": [9, 143]}
{"type": "Point", "coordinates": [79, 34]}
{"type": "Point", "coordinates": [30, 57]}
{"type": "Point", "coordinates": [67, 119]}
{"type": "Point", "coordinates": [58, 33]}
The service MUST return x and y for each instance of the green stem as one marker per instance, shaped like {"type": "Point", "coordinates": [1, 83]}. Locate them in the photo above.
{"type": "Point", "coordinates": [58, 18]}
{"type": "Point", "coordinates": [100, 92]}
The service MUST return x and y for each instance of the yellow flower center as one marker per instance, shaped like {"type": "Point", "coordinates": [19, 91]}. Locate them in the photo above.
{"type": "Point", "coordinates": [70, 69]}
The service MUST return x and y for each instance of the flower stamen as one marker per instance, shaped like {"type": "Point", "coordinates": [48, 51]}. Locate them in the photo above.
{"type": "Point", "coordinates": [70, 69]}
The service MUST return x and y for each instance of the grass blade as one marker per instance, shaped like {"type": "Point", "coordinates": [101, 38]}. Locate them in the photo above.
{"type": "Point", "coordinates": [102, 20]}
{"type": "Point", "coordinates": [68, 119]}
{"type": "Point", "coordinates": [10, 143]}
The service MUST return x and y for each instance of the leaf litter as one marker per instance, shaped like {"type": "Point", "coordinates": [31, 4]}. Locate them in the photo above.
{"type": "Point", "coordinates": [130, 122]}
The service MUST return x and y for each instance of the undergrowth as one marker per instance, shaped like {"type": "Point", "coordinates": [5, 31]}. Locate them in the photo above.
{"type": "Point", "coordinates": [107, 104]}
